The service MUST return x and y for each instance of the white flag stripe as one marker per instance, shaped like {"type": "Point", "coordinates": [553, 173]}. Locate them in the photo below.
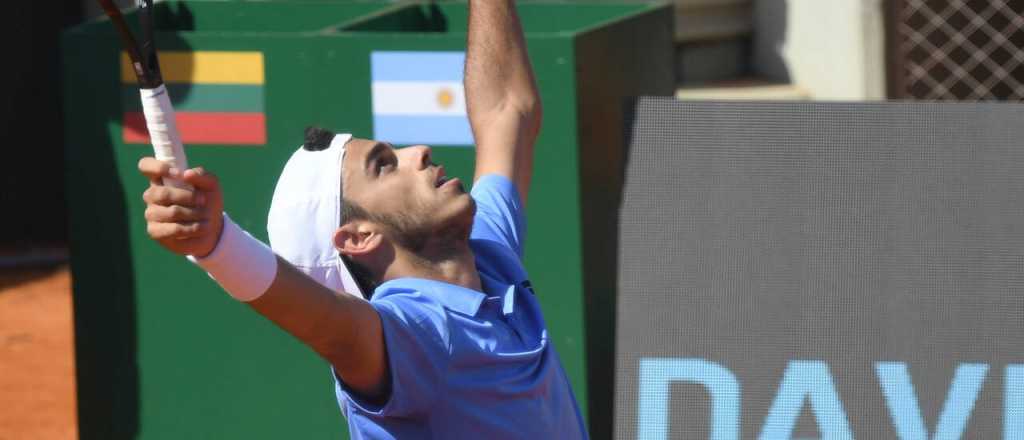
{"type": "Point", "coordinates": [437, 98]}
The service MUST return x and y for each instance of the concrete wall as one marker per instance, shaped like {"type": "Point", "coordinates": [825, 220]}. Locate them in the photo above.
{"type": "Point", "coordinates": [712, 19]}
{"type": "Point", "coordinates": [833, 49]}
{"type": "Point", "coordinates": [712, 40]}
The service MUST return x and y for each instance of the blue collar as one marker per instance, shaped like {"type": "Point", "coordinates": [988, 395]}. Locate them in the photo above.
{"type": "Point", "coordinates": [451, 296]}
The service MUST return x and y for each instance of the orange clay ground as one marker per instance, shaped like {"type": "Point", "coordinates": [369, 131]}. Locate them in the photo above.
{"type": "Point", "coordinates": [37, 369]}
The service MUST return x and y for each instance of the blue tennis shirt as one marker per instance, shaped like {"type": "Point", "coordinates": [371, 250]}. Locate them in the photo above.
{"type": "Point", "coordinates": [467, 364]}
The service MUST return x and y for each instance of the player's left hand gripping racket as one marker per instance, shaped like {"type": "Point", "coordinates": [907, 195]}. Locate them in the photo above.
{"type": "Point", "coordinates": [156, 104]}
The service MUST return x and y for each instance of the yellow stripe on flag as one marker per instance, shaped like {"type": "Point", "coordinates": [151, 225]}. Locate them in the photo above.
{"type": "Point", "coordinates": [204, 67]}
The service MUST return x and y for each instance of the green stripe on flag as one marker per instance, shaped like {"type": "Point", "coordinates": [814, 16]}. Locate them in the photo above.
{"type": "Point", "coordinates": [203, 98]}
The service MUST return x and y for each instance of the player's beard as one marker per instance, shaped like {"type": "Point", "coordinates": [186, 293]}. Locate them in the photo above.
{"type": "Point", "coordinates": [414, 229]}
{"type": "Point", "coordinates": [406, 230]}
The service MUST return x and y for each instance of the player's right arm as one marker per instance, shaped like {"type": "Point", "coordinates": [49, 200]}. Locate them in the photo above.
{"type": "Point", "coordinates": [343, 329]}
{"type": "Point", "coordinates": [502, 100]}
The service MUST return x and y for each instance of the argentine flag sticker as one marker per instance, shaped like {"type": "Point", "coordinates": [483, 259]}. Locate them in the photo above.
{"type": "Point", "coordinates": [418, 98]}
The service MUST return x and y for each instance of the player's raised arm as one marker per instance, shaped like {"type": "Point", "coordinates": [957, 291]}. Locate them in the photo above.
{"type": "Point", "coordinates": [501, 93]}
{"type": "Point", "coordinates": [344, 329]}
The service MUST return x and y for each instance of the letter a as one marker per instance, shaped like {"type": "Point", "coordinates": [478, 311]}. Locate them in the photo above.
{"type": "Point", "coordinates": [806, 380]}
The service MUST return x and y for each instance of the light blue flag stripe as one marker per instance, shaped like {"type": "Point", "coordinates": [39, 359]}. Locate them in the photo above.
{"type": "Point", "coordinates": [416, 66]}
{"type": "Point", "coordinates": [429, 130]}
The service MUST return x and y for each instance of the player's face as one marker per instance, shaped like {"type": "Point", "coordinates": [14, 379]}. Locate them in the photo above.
{"type": "Point", "coordinates": [405, 189]}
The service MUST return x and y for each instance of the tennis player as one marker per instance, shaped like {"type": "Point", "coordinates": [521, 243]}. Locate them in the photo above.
{"type": "Point", "coordinates": [451, 342]}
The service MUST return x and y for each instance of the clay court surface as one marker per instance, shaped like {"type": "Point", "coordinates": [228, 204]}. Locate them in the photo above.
{"type": "Point", "coordinates": [37, 380]}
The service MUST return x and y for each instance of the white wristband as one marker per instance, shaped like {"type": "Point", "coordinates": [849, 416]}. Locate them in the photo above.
{"type": "Point", "coordinates": [244, 266]}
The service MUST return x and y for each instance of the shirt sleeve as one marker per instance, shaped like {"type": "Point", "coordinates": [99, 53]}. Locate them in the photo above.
{"type": "Point", "coordinates": [500, 215]}
{"type": "Point", "coordinates": [415, 336]}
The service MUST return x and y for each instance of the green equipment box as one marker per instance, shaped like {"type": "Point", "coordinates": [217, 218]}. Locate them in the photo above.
{"type": "Point", "coordinates": [162, 353]}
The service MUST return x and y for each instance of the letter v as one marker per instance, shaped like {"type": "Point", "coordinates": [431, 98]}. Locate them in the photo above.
{"type": "Point", "coordinates": [905, 412]}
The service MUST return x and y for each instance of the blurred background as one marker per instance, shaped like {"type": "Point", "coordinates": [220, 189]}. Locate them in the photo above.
{"type": "Point", "coordinates": [845, 50]}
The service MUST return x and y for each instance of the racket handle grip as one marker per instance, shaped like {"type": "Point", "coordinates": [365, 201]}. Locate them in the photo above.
{"type": "Point", "coordinates": [163, 132]}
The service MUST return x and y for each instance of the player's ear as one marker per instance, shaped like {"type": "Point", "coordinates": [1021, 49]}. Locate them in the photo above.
{"type": "Point", "coordinates": [357, 238]}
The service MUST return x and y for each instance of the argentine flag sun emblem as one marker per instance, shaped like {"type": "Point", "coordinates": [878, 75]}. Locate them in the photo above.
{"type": "Point", "coordinates": [418, 98]}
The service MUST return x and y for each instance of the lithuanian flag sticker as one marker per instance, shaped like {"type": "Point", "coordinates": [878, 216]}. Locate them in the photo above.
{"type": "Point", "coordinates": [217, 96]}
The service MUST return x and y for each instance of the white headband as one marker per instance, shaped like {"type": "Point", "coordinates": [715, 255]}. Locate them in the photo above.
{"type": "Point", "coordinates": [305, 212]}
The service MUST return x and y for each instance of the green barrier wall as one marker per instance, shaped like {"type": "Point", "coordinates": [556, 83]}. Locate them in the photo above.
{"type": "Point", "coordinates": [162, 353]}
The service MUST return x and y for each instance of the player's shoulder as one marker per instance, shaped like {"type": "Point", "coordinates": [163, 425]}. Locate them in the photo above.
{"type": "Point", "coordinates": [407, 300]}
{"type": "Point", "coordinates": [500, 216]}
{"type": "Point", "coordinates": [496, 189]}
{"type": "Point", "coordinates": [424, 306]}
{"type": "Point", "coordinates": [498, 260]}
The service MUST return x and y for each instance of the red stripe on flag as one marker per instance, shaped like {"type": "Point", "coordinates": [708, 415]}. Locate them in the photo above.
{"type": "Point", "coordinates": [203, 128]}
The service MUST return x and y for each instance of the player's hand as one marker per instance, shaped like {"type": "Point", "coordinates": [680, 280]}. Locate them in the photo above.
{"type": "Point", "coordinates": [186, 222]}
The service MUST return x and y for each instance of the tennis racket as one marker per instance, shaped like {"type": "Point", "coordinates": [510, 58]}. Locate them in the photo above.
{"type": "Point", "coordinates": [156, 103]}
